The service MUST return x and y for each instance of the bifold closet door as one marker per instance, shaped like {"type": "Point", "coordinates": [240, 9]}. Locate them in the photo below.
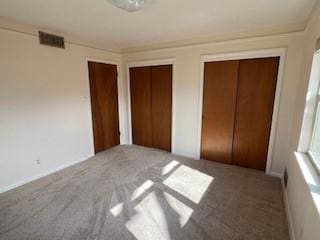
{"type": "Point", "coordinates": [140, 91]}
{"type": "Point", "coordinates": [104, 105]}
{"type": "Point", "coordinates": [219, 104]}
{"type": "Point", "coordinates": [238, 98]}
{"type": "Point", "coordinates": [151, 106]}
{"type": "Point", "coordinates": [161, 82]}
{"type": "Point", "coordinates": [255, 98]}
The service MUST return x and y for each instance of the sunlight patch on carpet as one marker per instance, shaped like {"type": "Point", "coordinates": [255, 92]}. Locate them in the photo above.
{"type": "Point", "coordinates": [189, 182]}
{"type": "Point", "coordinates": [166, 169]}
{"type": "Point", "coordinates": [117, 209]}
{"type": "Point", "coordinates": [140, 190]}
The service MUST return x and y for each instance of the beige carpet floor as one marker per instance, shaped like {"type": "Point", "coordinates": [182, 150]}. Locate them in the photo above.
{"type": "Point", "coordinates": [132, 192]}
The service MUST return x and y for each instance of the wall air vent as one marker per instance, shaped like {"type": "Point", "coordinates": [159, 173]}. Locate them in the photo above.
{"type": "Point", "coordinates": [51, 40]}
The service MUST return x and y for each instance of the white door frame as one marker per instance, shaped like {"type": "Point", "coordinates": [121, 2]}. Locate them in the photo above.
{"type": "Point", "coordinates": [276, 52]}
{"type": "Point", "coordinates": [167, 61]}
{"type": "Point", "coordinates": [120, 99]}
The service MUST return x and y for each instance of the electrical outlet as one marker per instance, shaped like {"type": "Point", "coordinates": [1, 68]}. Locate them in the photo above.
{"type": "Point", "coordinates": [38, 161]}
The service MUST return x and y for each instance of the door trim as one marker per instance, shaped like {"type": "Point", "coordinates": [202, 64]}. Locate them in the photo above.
{"type": "Point", "coordinates": [120, 100]}
{"type": "Point", "coordinates": [148, 63]}
{"type": "Point", "coordinates": [275, 52]}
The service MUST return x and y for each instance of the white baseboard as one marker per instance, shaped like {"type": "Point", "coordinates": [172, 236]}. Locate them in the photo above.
{"type": "Point", "coordinates": [286, 204]}
{"type": "Point", "coordinates": [41, 175]}
{"type": "Point", "coordinates": [288, 213]}
{"type": "Point", "coordinates": [275, 174]}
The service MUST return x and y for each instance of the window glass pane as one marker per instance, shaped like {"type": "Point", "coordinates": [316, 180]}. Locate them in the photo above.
{"type": "Point", "coordinates": [315, 143]}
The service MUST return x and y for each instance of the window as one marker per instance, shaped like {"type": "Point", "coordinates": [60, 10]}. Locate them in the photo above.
{"type": "Point", "coordinates": [314, 150]}
{"type": "Point", "coordinates": [314, 146]}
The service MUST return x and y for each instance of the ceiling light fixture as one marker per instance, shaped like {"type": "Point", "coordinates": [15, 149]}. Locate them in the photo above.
{"type": "Point", "coordinates": [129, 5]}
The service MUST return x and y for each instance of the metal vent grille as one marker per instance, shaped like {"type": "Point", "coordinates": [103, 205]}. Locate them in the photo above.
{"type": "Point", "coordinates": [51, 40]}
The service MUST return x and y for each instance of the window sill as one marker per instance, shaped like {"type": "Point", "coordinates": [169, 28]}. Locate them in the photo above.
{"type": "Point", "coordinates": [310, 175]}
{"type": "Point", "coordinates": [315, 164]}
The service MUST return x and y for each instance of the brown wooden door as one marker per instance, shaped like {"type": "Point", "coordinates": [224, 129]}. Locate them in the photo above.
{"type": "Point", "coordinates": [161, 82]}
{"type": "Point", "coordinates": [104, 105]}
{"type": "Point", "coordinates": [151, 106]}
{"type": "Point", "coordinates": [140, 89]}
{"type": "Point", "coordinates": [219, 104]}
{"type": "Point", "coordinates": [255, 98]}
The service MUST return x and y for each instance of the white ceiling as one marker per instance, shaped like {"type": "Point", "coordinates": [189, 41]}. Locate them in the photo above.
{"type": "Point", "coordinates": [100, 24]}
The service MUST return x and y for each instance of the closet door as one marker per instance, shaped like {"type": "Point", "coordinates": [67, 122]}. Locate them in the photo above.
{"type": "Point", "coordinates": [256, 92]}
{"type": "Point", "coordinates": [140, 87]}
{"type": "Point", "coordinates": [104, 105]}
{"type": "Point", "coordinates": [161, 82]}
{"type": "Point", "coordinates": [219, 102]}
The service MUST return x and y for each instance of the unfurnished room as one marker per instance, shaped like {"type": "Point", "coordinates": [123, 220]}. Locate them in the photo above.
{"type": "Point", "coordinates": [160, 120]}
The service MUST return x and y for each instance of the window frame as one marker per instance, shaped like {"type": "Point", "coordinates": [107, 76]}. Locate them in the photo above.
{"type": "Point", "coordinates": [313, 160]}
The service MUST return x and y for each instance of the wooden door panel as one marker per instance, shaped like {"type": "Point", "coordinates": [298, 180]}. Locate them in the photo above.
{"type": "Point", "coordinates": [161, 106]}
{"type": "Point", "coordinates": [104, 105]}
{"type": "Point", "coordinates": [140, 88]}
{"type": "Point", "coordinates": [219, 101]}
{"type": "Point", "coordinates": [255, 98]}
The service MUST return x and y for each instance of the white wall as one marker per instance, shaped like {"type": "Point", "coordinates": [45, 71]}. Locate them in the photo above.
{"type": "Point", "coordinates": [303, 187]}
{"type": "Point", "coordinates": [188, 83]}
{"type": "Point", "coordinates": [45, 108]}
